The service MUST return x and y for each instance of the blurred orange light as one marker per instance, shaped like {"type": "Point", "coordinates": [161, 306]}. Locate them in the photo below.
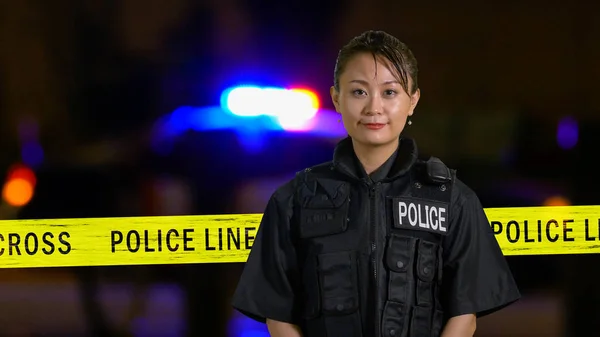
{"type": "Point", "coordinates": [557, 201]}
{"type": "Point", "coordinates": [17, 192]}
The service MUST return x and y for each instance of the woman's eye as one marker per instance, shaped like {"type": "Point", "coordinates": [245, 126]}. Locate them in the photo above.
{"type": "Point", "coordinates": [358, 92]}
{"type": "Point", "coordinates": [390, 92]}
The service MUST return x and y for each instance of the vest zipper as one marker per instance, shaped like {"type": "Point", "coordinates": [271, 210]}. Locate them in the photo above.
{"type": "Point", "coordinates": [373, 189]}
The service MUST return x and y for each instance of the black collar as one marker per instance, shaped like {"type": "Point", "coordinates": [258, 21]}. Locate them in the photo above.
{"type": "Point", "coordinates": [345, 160]}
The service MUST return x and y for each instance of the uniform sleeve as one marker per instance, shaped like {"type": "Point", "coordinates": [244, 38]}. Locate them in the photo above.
{"type": "Point", "coordinates": [476, 276]}
{"type": "Point", "coordinates": [265, 289]}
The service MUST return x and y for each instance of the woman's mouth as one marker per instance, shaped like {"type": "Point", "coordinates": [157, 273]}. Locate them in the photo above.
{"type": "Point", "coordinates": [374, 126]}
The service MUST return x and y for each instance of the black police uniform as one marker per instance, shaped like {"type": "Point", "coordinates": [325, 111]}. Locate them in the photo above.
{"type": "Point", "coordinates": [396, 253]}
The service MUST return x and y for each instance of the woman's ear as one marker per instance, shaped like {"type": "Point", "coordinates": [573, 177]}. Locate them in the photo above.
{"type": "Point", "coordinates": [335, 96]}
{"type": "Point", "coordinates": [414, 99]}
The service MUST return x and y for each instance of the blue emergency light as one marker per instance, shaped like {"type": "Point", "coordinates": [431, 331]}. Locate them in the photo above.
{"type": "Point", "coordinates": [253, 112]}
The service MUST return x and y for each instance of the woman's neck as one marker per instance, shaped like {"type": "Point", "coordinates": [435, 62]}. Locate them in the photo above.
{"type": "Point", "coordinates": [372, 157]}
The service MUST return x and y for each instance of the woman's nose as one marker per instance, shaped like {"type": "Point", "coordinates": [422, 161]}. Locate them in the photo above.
{"type": "Point", "coordinates": [375, 105]}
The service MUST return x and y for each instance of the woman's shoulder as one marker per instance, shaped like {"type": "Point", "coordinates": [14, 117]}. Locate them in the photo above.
{"type": "Point", "coordinates": [463, 195]}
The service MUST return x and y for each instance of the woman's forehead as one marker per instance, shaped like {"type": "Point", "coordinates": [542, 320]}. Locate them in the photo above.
{"type": "Point", "coordinates": [366, 67]}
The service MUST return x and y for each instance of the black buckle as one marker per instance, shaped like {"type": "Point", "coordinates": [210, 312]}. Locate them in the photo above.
{"type": "Point", "coordinates": [437, 171]}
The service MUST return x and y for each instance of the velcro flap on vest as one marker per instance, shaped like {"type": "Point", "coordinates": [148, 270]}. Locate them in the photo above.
{"type": "Point", "coordinates": [399, 253]}
{"type": "Point", "coordinates": [322, 222]}
{"type": "Point", "coordinates": [329, 193]}
{"type": "Point", "coordinates": [340, 306]}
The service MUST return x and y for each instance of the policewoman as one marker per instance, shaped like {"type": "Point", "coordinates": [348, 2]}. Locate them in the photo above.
{"type": "Point", "coordinates": [377, 242]}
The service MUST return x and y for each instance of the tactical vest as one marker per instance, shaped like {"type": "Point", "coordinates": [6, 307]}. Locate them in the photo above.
{"type": "Point", "coordinates": [337, 268]}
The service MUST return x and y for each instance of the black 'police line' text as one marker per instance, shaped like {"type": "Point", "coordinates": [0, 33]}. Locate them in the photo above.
{"type": "Point", "coordinates": [232, 238]}
{"type": "Point", "coordinates": [173, 240]}
{"type": "Point", "coordinates": [153, 242]}
{"type": "Point", "coordinates": [550, 230]}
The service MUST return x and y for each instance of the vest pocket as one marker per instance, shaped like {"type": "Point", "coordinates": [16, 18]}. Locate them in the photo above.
{"type": "Point", "coordinates": [420, 324]}
{"type": "Point", "coordinates": [334, 306]}
{"type": "Point", "coordinates": [399, 262]}
{"type": "Point", "coordinates": [338, 283]}
{"type": "Point", "coordinates": [427, 266]}
{"type": "Point", "coordinates": [325, 212]}
{"type": "Point", "coordinates": [394, 322]}
{"type": "Point", "coordinates": [424, 321]}
{"type": "Point", "coordinates": [437, 324]}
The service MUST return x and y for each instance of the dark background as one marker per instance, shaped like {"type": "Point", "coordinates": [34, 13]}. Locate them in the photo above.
{"type": "Point", "coordinates": [94, 76]}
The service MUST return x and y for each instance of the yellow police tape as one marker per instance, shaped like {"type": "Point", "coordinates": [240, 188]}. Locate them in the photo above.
{"type": "Point", "coordinates": [228, 238]}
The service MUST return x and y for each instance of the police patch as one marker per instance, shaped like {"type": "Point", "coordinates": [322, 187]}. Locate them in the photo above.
{"type": "Point", "coordinates": [420, 214]}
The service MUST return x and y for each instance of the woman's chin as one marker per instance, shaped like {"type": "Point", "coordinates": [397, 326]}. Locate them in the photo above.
{"type": "Point", "coordinates": [375, 140]}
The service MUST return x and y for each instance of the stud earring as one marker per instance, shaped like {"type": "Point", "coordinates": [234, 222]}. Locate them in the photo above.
{"type": "Point", "coordinates": [409, 122]}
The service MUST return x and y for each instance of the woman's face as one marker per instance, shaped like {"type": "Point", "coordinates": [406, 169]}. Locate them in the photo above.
{"type": "Point", "coordinates": [373, 104]}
